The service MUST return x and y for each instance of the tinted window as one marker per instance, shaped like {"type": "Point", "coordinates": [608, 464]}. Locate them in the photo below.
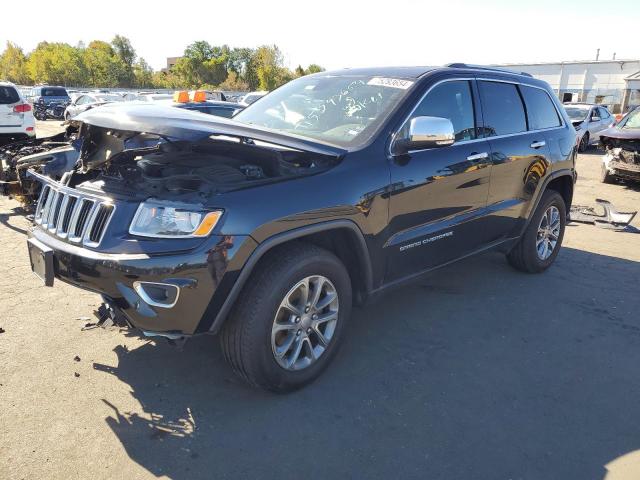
{"type": "Point", "coordinates": [450, 100]}
{"type": "Point", "coordinates": [8, 95]}
{"type": "Point", "coordinates": [502, 108]}
{"type": "Point", "coordinates": [54, 92]}
{"type": "Point", "coordinates": [540, 110]}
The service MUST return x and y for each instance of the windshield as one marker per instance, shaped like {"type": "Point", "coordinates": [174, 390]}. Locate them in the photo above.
{"type": "Point", "coordinates": [54, 92]}
{"type": "Point", "coordinates": [577, 113]}
{"type": "Point", "coordinates": [343, 110]}
{"type": "Point", "coordinates": [632, 120]}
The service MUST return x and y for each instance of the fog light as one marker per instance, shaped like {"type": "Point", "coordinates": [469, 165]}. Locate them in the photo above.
{"type": "Point", "coordinates": [163, 295]}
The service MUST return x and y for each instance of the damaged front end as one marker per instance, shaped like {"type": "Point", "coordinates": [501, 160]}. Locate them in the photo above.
{"type": "Point", "coordinates": [622, 153]}
{"type": "Point", "coordinates": [50, 156]}
{"type": "Point", "coordinates": [142, 217]}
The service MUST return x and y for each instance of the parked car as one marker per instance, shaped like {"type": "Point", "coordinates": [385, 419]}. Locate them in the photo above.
{"type": "Point", "coordinates": [622, 146]}
{"type": "Point", "coordinates": [89, 101]}
{"type": "Point", "coordinates": [46, 95]}
{"type": "Point", "coordinates": [251, 97]}
{"type": "Point", "coordinates": [267, 227]}
{"type": "Point", "coordinates": [588, 120]}
{"type": "Point", "coordinates": [16, 115]}
{"type": "Point", "coordinates": [130, 97]}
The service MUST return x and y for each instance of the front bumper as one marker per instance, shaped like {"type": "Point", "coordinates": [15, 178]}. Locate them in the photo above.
{"type": "Point", "coordinates": [203, 276]}
{"type": "Point", "coordinates": [630, 171]}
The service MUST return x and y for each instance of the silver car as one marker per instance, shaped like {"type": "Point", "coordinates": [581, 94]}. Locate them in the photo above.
{"type": "Point", "coordinates": [588, 120]}
{"type": "Point", "coordinates": [90, 100]}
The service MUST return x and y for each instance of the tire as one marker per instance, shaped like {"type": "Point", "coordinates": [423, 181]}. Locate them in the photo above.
{"type": "Point", "coordinates": [525, 256]}
{"type": "Point", "coordinates": [248, 341]}
{"type": "Point", "coordinates": [67, 117]}
{"type": "Point", "coordinates": [605, 176]}
{"type": "Point", "coordinates": [584, 143]}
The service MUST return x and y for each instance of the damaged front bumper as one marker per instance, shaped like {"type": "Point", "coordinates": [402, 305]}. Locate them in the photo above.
{"type": "Point", "coordinates": [622, 163]}
{"type": "Point", "coordinates": [171, 295]}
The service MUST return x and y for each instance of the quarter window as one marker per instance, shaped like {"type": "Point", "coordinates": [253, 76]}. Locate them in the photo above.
{"type": "Point", "coordinates": [502, 108]}
{"type": "Point", "coordinates": [450, 100]}
{"type": "Point", "coordinates": [541, 112]}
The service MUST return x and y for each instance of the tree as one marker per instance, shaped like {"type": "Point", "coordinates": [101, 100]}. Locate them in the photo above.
{"type": "Point", "coordinates": [234, 83]}
{"type": "Point", "coordinates": [56, 63]}
{"type": "Point", "coordinates": [103, 67]}
{"type": "Point", "coordinates": [142, 74]}
{"type": "Point", "coordinates": [13, 65]}
{"type": "Point", "coordinates": [314, 68]}
{"type": "Point", "coordinates": [127, 55]}
{"type": "Point", "coordinates": [266, 70]}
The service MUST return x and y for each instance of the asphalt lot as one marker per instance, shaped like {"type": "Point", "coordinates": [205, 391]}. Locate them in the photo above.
{"type": "Point", "coordinates": [476, 372]}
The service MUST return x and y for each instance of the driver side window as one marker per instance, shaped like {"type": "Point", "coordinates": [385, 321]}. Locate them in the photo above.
{"type": "Point", "coordinates": [451, 100]}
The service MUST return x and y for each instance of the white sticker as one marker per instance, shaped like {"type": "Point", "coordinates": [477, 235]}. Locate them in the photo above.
{"type": "Point", "coordinates": [390, 82]}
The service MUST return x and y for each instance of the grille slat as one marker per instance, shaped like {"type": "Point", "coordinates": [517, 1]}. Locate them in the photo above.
{"type": "Point", "coordinates": [77, 217]}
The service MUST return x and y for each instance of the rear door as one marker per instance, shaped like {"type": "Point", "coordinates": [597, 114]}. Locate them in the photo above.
{"type": "Point", "coordinates": [9, 98]}
{"type": "Point", "coordinates": [519, 150]}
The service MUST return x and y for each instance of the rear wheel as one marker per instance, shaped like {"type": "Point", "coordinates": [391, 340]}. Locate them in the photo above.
{"type": "Point", "coordinates": [289, 320]}
{"type": "Point", "coordinates": [539, 245]}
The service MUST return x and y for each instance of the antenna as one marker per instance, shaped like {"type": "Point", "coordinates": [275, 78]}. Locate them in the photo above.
{"type": "Point", "coordinates": [597, 54]}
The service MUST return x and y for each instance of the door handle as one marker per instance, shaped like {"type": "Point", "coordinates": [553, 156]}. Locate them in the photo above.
{"type": "Point", "coordinates": [477, 156]}
{"type": "Point", "coordinates": [538, 144]}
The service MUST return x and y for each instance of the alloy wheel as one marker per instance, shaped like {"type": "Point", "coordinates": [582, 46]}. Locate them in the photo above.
{"type": "Point", "coordinates": [305, 323]}
{"type": "Point", "coordinates": [548, 232]}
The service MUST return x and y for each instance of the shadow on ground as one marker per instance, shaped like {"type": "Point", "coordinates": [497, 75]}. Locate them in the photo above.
{"type": "Point", "coordinates": [480, 372]}
{"type": "Point", "coordinates": [15, 212]}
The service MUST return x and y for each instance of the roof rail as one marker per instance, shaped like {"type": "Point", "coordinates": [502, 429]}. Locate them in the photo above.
{"type": "Point", "coordinates": [491, 69]}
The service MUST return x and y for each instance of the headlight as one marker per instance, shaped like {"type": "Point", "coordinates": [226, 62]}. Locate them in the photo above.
{"type": "Point", "coordinates": [171, 220]}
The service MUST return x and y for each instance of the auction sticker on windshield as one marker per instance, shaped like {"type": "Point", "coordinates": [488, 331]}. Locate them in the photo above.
{"type": "Point", "coordinates": [390, 82]}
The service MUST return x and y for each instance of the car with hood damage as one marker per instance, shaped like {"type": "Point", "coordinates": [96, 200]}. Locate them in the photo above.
{"type": "Point", "coordinates": [622, 147]}
{"type": "Point", "coordinates": [336, 187]}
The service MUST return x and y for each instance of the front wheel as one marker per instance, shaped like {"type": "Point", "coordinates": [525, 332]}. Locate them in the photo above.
{"type": "Point", "coordinates": [289, 320]}
{"type": "Point", "coordinates": [584, 143]}
{"type": "Point", "coordinates": [539, 245]}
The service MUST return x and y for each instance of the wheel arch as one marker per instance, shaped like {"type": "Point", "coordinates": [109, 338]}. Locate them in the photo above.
{"type": "Point", "coordinates": [341, 237]}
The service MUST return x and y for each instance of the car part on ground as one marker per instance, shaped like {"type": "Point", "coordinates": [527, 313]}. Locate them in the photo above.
{"type": "Point", "coordinates": [610, 218]}
{"type": "Point", "coordinates": [336, 186]}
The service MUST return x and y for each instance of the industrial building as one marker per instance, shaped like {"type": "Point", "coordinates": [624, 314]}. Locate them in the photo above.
{"type": "Point", "coordinates": [615, 83]}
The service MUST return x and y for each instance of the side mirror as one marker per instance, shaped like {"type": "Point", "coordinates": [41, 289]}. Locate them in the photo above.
{"type": "Point", "coordinates": [595, 119]}
{"type": "Point", "coordinates": [427, 132]}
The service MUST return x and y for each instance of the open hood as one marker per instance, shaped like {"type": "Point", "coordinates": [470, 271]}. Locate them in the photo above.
{"type": "Point", "coordinates": [181, 124]}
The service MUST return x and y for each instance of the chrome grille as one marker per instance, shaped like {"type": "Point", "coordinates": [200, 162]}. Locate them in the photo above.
{"type": "Point", "coordinates": [69, 214]}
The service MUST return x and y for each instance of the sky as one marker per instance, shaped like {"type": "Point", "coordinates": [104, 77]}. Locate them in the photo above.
{"type": "Point", "coordinates": [346, 33]}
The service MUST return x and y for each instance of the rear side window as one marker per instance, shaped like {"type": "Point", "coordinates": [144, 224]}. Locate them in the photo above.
{"type": "Point", "coordinates": [8, 95]}
{"type": "Point", "coordinates": [502, 108]}
{"type": "Point", "coordinates": [54, 92]}
{"type": "Point", "coordinates": [450, 100]}
{"type": "Point", "coordinates": [603, 112]}
{"type": "Point", "coordinates": [540, 109]}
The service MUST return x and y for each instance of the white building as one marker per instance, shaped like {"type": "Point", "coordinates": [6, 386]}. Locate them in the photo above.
{"type": "Point", "coordinates": [615, 83]}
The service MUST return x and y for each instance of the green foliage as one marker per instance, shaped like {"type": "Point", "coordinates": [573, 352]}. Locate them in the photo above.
{"type": "Point", "coordinates": [13, 64]}
{"type": "Point", "coordinates": [115, 64]}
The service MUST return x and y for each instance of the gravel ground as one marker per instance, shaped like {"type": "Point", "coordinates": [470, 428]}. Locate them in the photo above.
{"type": "Point", "coordinates": [479, 373]}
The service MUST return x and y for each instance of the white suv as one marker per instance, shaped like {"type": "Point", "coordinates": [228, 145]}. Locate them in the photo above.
{"type": "Point", "coordinates": [16, 115]}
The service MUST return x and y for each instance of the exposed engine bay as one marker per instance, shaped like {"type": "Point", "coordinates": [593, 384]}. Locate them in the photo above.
{"type": "Point", "coordinates": [136, 164]}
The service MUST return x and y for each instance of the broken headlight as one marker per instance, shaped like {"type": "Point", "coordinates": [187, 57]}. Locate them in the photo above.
{"type": "Point", "coordinates": [169, 220]}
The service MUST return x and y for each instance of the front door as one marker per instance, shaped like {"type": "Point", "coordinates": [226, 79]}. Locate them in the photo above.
{"type": "Point", "coordinates": [438, 195]}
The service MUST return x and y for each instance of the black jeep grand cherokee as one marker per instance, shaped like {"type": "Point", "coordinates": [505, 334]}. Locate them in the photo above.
{"type": "Point", "coordinates": [333, 188]}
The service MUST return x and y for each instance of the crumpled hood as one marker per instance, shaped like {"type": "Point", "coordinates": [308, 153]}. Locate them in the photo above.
{"type": "Point", "coordinates": [621, 133]}
{"type": "Point", "coordinates": [192, 126]}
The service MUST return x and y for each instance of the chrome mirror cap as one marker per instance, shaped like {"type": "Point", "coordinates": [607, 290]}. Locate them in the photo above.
{"type": "Point", "coordinates": [426, 132]}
